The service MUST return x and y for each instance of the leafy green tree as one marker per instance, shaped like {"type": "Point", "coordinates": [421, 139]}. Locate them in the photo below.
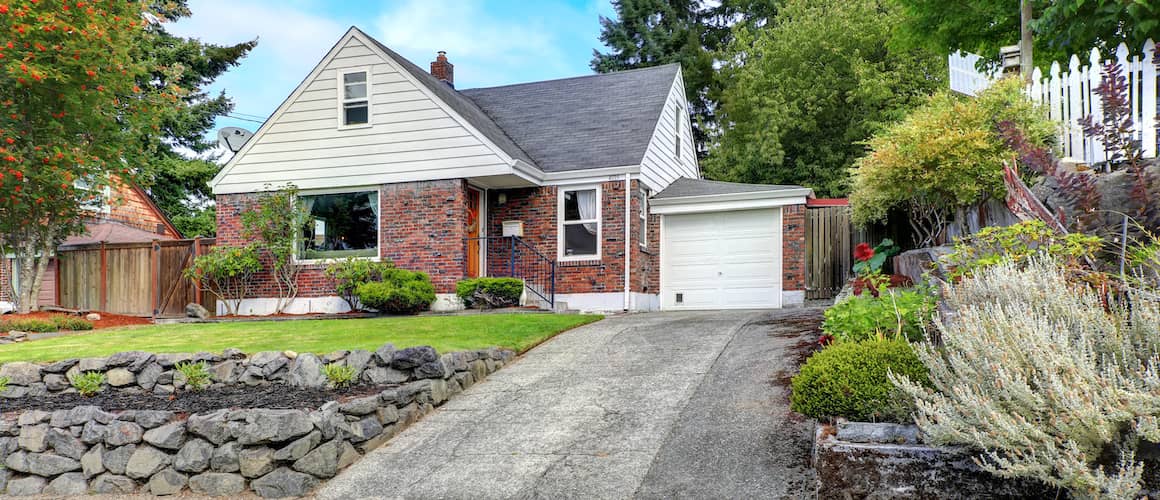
{"type": "Point", "coordinates": [805, 91]}
{"type": "Point", "coordinates": [72, 115]}
{"type": "Point", "coordinates": [1060, 28]}
{"type": "Point", "coordinates": [179, 184]}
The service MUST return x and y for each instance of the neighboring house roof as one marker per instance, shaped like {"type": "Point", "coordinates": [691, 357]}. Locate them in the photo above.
{"type": "Point", "coordinates": [584, 122]}
{"type": "Point", "coordinates": [463, 106]}
{"type": "Point", "coordinates": [111, 232]}
{"type": "Point", "coordinates": [685, 187]}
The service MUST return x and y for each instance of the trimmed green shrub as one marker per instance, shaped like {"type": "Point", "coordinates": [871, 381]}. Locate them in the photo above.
{"type": "Point", "coordinates": [88, 384]}
{"type": "Point", "coordinates": [894, 313]}
{"type": "Point", "coordinates": [849, 379]}
{"type": "Point", "coordinates": [338, 375]}
{"type": "Point", "coordinates": [196, 374]}
{"type": "Point", "coordinates": [349, 273]}
{"type": "Point", "coordinates": [28, 325]}
{"type": "Point", "coordinates": [503, 291]}
{"type": "Point", "coordinates": [400, 292]}
{"type": "Point", "coordinates": [227, 272]}
{"type": "Point", "coordinates": [71, 323]}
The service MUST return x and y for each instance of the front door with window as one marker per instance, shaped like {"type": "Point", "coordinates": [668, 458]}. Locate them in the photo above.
{"type": "Point", "coordinates": [473, 233]}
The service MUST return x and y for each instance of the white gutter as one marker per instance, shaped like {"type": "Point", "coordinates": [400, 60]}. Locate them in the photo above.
{"type": "Point", "coordinates": [627, 237]}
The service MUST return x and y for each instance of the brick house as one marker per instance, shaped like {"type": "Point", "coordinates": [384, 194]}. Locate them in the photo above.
{"type": "Point", "coordinates": [596, 176]}
{"type": "Point", "coordinates": [124, 214]}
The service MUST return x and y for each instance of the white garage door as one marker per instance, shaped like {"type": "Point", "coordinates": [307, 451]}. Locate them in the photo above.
{"type": "Point", "coordinates": [721, 260]}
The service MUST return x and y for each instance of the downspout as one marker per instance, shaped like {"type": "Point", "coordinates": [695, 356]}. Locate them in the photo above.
{"type": "Point", "coordinates": [627, 237]}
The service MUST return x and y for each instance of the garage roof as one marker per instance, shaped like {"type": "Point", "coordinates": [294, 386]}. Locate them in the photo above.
{"type": "Point", "coordinates": [686, 195]}
{"type": "Point", "coordinates": [685, 187]}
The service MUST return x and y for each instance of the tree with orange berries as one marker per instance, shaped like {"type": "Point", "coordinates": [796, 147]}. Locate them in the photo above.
{"type": "Point", "coordinates": [71, 118]}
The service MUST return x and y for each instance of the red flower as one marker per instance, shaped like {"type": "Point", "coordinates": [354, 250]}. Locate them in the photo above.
{"type": "Point", "coordinates": [3, 9]}
{"type": "Point", "coordinates": [826, 339]}
{"type": "Point", "coordinates": [863, 252]}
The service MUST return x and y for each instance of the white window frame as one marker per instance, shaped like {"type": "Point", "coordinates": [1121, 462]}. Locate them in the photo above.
{"type": "Point", "coordinates": [99, 206]}
{"type": "Point", "coordinates": [642, 215]}
{"type": "Point", "coordinates": [343, 101]}
{"type": "Point", "coordinates": [560, 223]}
{"type": "Point", "coordinates": [378, 224]}
{"type": "Point", "coordinates": [680, 130]}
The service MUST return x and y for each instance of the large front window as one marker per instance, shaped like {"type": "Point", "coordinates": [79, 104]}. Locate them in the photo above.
{"type": "Point", "coordinates": [579, 223]}
{"type": "Point", "coordinates": [340, 225]}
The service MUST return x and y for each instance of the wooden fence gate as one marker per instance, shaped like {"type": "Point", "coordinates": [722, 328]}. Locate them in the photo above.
{"type": "Point", "coordinates": [137, 279]}
{"type": "Point", "coordinates": [830, 240]}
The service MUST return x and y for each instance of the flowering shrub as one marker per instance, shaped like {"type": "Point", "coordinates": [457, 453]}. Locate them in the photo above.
{"type": "Point", "coordinates": [1034, 371]}
{"type": "Point", "coordinates": [869, 260]}
{"type": "Point", "coordinates": [226, 272]}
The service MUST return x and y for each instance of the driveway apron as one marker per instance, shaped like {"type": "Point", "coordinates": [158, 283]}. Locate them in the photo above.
{"type": "Point", "coordinates": [584, 415]}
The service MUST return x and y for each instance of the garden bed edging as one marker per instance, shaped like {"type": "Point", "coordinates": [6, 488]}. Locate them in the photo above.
{"type": "Point", "coordinates": [271, 452]}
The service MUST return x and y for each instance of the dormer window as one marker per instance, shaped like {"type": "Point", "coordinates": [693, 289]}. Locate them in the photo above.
{"type": "Point", "coordinates": [355, 100]}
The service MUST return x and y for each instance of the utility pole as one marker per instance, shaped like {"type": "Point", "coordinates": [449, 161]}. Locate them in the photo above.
{"type": "Point", "coordinates": [1026, 64]}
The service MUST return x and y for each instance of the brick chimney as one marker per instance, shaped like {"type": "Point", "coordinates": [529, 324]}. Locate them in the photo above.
{"type": "Point", "coordinates": [442, 69]}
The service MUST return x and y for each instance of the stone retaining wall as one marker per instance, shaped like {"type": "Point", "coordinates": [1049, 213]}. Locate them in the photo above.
{"type": "Point", "coordinates": [867, 460]}
{"type": "Point", "coordinates": [272, 452]}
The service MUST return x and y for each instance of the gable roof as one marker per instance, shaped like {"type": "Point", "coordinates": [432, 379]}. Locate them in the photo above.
{"type": "Point", "coordinates": [460, 104]}
{"type": "Point", "coordinates": [593, 121]}
{"type": "Point", "coordinates": [686, 187]}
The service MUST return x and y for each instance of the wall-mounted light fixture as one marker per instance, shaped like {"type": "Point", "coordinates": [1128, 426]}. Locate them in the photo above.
{"type": "Point", "coordinates": [501, 198]}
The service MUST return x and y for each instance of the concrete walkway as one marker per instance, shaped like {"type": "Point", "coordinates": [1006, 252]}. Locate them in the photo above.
{"type": "Point", "coordinates": [648, 406]}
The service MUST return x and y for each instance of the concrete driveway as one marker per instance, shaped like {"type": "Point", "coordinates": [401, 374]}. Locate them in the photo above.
{"type": "Point", "coordinates": [685, 405]}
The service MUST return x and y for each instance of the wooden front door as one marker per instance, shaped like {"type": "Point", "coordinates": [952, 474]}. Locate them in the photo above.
{"type": "Point", "coordinates": [473, 231]}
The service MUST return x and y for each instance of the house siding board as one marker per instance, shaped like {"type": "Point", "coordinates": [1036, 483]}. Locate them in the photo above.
{"type": "Point", "coordinates": [412, 138]}
{"type": "Point", "coordinates": [660, 165]}
{"type": "Point", "coordinates": [536, 207]}
{"type": "Point", "coordinates": [793, 248]}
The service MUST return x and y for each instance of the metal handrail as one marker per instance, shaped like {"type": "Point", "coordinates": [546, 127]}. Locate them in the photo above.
{"type": "Point", "coordinates": [532, 273]}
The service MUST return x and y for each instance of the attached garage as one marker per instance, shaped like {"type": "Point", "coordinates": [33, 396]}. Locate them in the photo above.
{"type": "Point", "coordinates": [723, 245]}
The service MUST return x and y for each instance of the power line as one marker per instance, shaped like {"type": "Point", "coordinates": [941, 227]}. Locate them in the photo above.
{"type": "Point", "coordinates": [245, 119]}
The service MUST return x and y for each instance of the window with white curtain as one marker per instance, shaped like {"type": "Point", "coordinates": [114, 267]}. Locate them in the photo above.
{"type": "Point", "coordinates": [340, 225]}
{"type": "Point", "coordinates": [579, 223]}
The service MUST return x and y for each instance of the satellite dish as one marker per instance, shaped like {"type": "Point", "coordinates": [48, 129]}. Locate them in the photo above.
{"type": "Point", "coordinates": [233, 138]}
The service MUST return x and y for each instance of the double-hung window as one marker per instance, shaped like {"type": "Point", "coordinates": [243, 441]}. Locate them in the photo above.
{"type": "Point", "coordinates": [355, 98]}
{"type": "Point", "coordinates": [643, 217]}
{"type": "Point", "coordinates": [680, 115]}
{"type": "Point", "coordinates": [579, 223]}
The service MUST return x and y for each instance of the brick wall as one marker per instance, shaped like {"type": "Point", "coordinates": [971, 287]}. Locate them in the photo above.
{"type": "Point", "coordinates": [793, 247]}
{"type": "Point", "coordinates": [536, 207]}
{"type": "Point", "coordinates": [646, 274]}
{"type": "Point", "coordinates": [230, 207]}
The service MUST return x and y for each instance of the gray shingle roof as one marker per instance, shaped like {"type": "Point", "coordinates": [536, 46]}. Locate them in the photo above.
{"type": "Point", "coordinates": [594, 121]}
{"type": "Point", "coordinates": [684, 187]}
{"type": "Point", "coordinates": [462, 105]}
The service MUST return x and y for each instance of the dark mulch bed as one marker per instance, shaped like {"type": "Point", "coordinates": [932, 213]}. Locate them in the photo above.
{"type": "Point", "coordinates": [234, 396]}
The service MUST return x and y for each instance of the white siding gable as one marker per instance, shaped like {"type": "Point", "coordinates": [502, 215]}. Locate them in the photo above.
{"type": "Point", "coordinates": [660, 165]}
{"type": "Point", "coordinates": [412, 136]}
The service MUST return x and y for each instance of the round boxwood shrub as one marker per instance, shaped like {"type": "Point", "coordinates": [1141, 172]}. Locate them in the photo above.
{"type": "Point", "coordinates": [400, 292]}
{"type": "Point", "coordinates": [848, 379]}
{"type": "Point", "coordinates": [503, 292]}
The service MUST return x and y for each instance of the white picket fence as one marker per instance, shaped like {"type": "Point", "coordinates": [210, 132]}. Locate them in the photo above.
{"type": "Point", "coordinates": [1069, 96]}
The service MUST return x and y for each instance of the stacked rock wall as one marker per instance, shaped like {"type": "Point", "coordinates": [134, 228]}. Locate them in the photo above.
{"type": "Point", "coordinates": [272, 452]}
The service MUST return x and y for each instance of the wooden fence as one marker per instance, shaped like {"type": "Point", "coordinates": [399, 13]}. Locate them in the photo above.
{"type": "Point", "coordinates": [830, 240]}
{"type": "Point", "coordinates": [1069, 95]}
{"type": "Point", "coordinates": [138, 279]}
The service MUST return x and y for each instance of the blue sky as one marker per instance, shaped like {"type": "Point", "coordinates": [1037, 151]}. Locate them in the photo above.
{"type": "Point", "coordinates": [491, 42]}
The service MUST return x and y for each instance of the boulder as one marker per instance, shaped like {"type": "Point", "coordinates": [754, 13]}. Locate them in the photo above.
{"type": "Point", "coordinates": [211, 426]}
{"type": "Point", "coordinates": [225, 458]}
{"type": "Point", "coordinates": [134, 361]}
{"type": "Point", "coordinates": [55, 382]}
{"type": "Point", "coordinates": [254, 462]}
{"type": "Point", "coordinates": [194, 456]}
{"type": "Point", "coordinates": [413, 357]}
{"type": "Point", "coordinates": [33, 417]}
{"type": "Point", "coordinates": [150, 419]}
{"type": "Point", "coordinates": [347, 456]}
{"type": "Point", "coordinates": [167, 482]}
{"type": "Point", "coordinates": [149, 376]}
{"type": "Point", "coordinates": [20, 373]}
{"type": "Point", "coordinates": [120, 377]}
{"type": "Point", "coordinates": [358, 360]}
{"type": "Point", "coordinates": [112, 484]}
{"type": "Point", "coordinates": [439, 391]}
{"type": "Point", "coordinates": [60, 366]}
{"type": "Point", "coordinates": [387, 414]}
{"type": "Point", "coordinates": [93, 461]}
{"type": "Point", "coordinates": [233, 353]}
{"type": "Point", "coordinates": [272, 426]}
{"type": "Point", "coordinates": [169, 436]}
{"type": "Point", "coordinates": [434, 369]}
{"type": "Point", "coordinates": [94, 433]}
{"type": "Point", "coordinates": [193, 310]}
{"type": "Point", "coordinates": [335, 356]}
{"type": "Point", "coordinates": [384, 376]}
{"type": "Point", "coordinates": [217, 484]}
{"type": "Point", "coordinates": [360, 406]}
{"type": "Point", "coordinates": [322, 461]}
{"type": "Point", "coordinates": [146, 461]}
{"type": "Point", "coordinates": [70, 484]}
{"type": "Point", "coordinates": [268, 362]}
{"type": "Point", "coordinates": [27, 486]}
{"type": "Point", "coordinates": [93, 317]}
{"type": "Point", "coordinates": [80, 415]}
{"type": "Point", "coordinates": [306, 371]}
{"type": "Point", "coordinates": [384, 354]}
{"type": "Point", "coordinates": [299, 447]}
{"type": "Point", "coordinates": [33, 438]}
{"type": "Point", "coordinates": [226, 372]}
{"type": "Point", "coordinates": [41, 464]}
{"type": "Point", "coordinates": [65, 444]}
{"type": "Point", "coordinates": [116, 459]}
{"type": "Point", "coordinates": [362, 430]}
{"type": "Point", "coordinates": [283, 482]}
{"type": "Point", "coordinates": [121, 433]}
{"type": "Point", "coordinates": [91, 365]}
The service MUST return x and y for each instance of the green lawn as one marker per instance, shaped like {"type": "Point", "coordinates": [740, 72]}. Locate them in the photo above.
{"type": "Point", "coordinates": [445, 333]}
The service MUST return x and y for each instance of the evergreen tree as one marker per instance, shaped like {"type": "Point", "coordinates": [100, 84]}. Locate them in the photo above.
{"type": "Point", "coordinates": [178, 184]}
